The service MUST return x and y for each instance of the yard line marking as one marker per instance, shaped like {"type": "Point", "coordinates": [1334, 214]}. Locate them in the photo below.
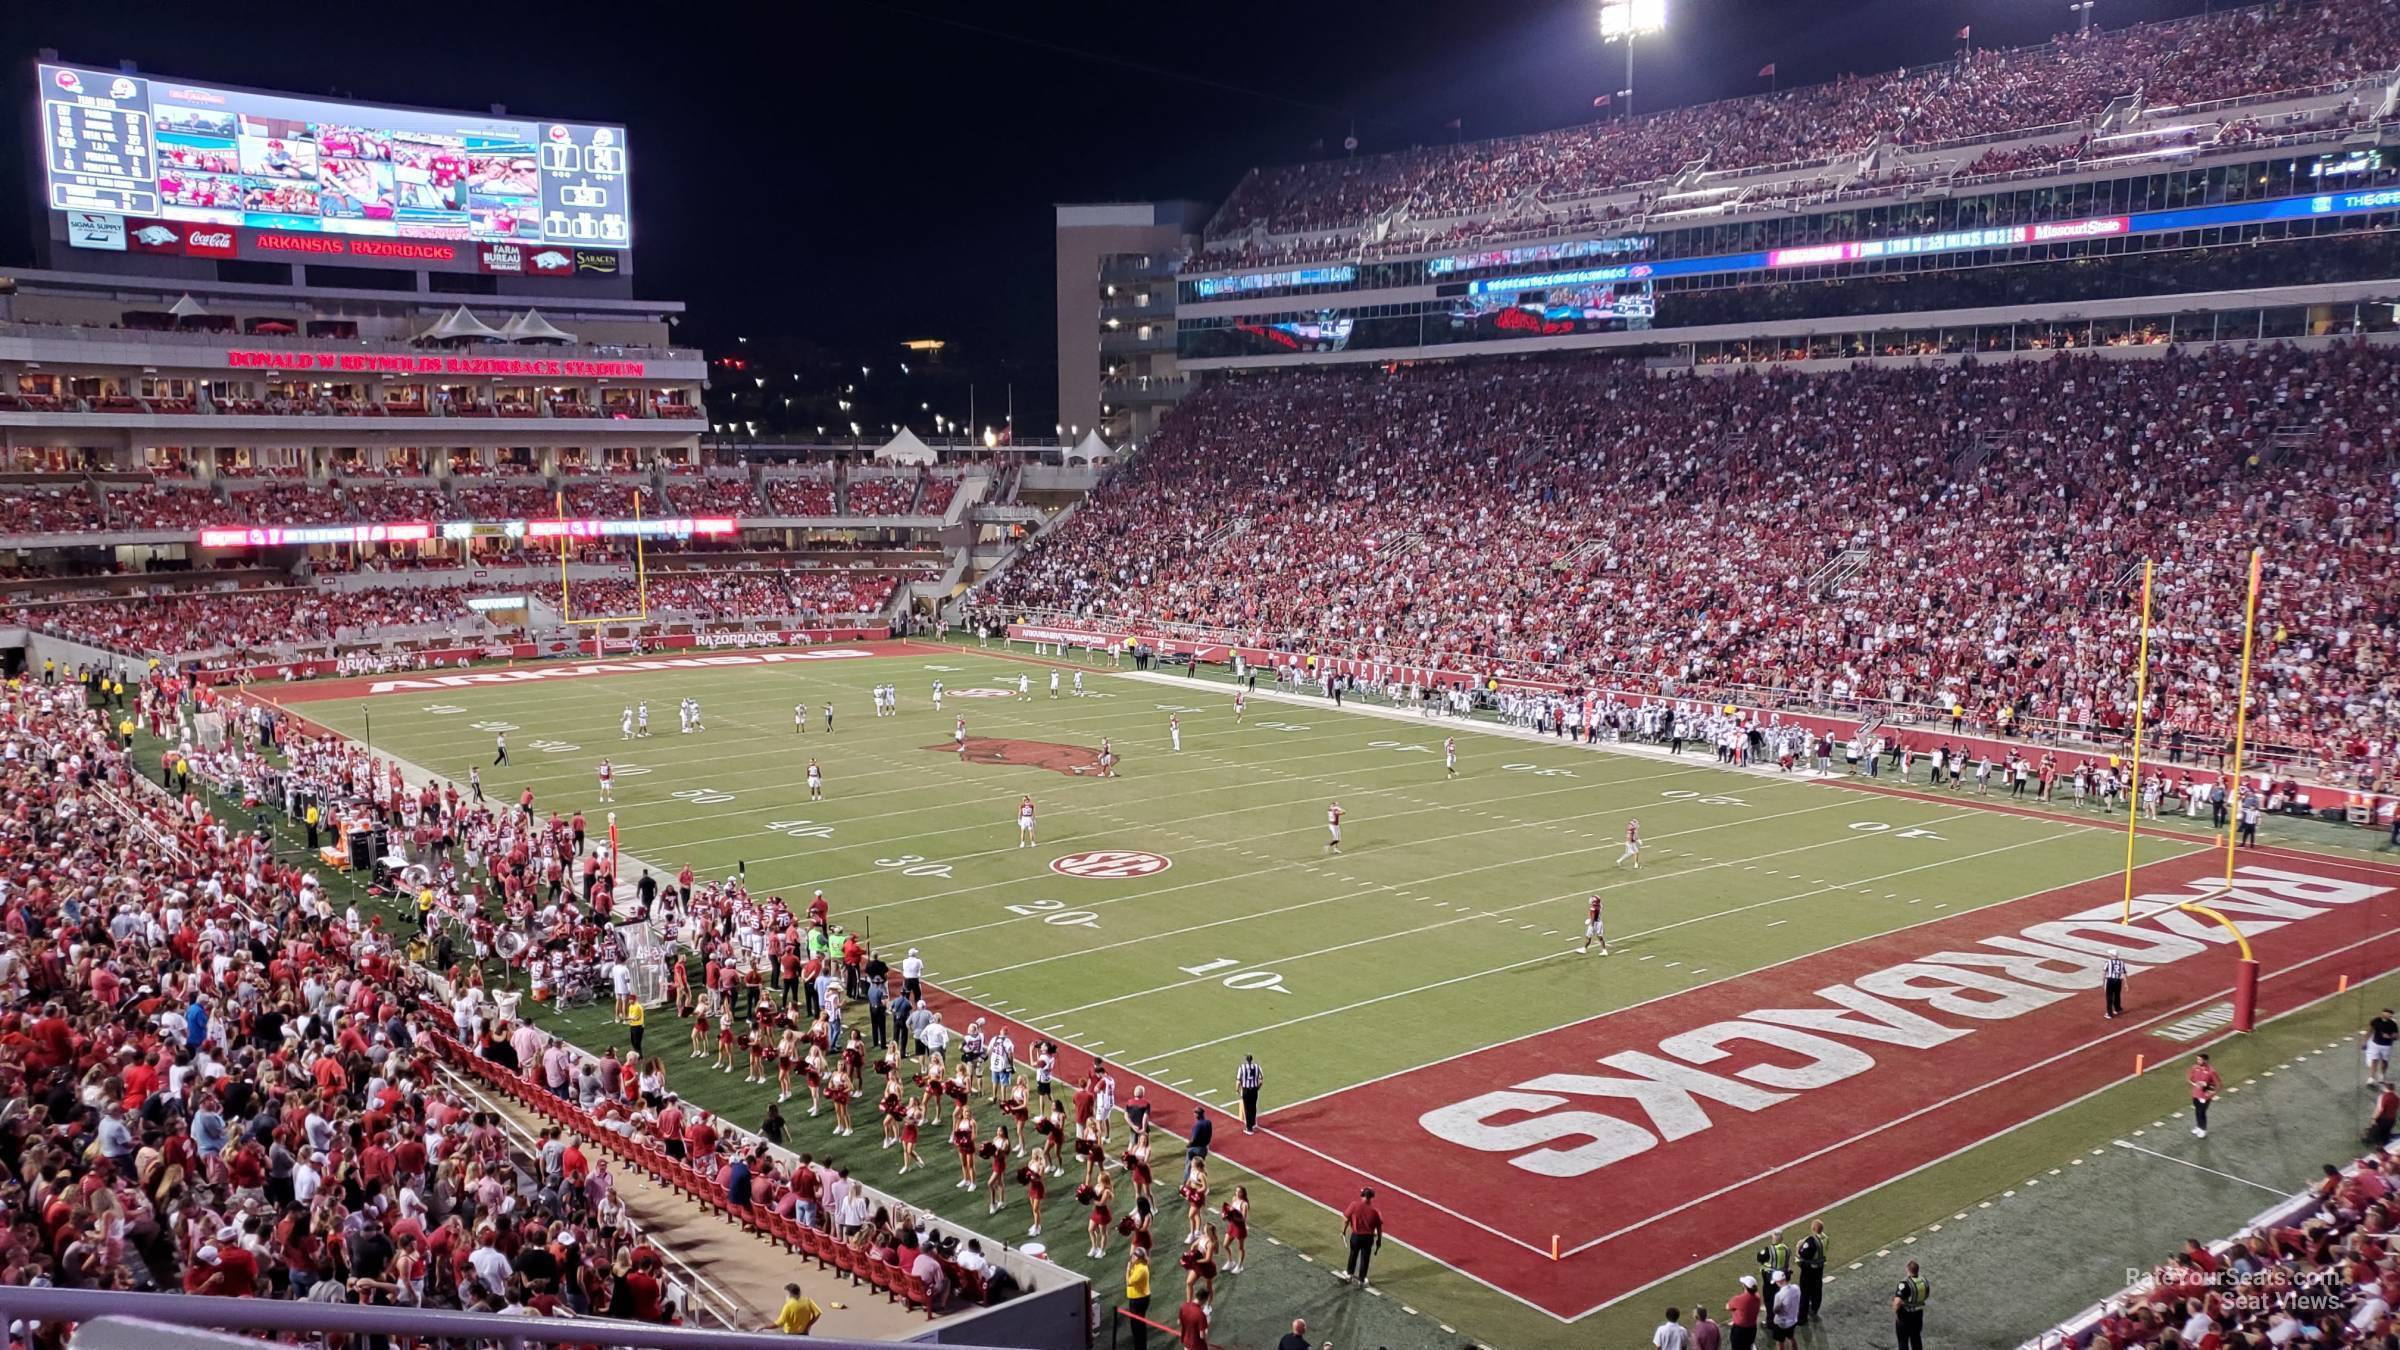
{"type": "Point", "coordinates": [1514, 965]}
{"type": "Point", "coordinates": [2186, 1162]}
{"type": "Point", "coordinates": [1548, 1031]}
{"type": "Point", "coordinates": [1447, 876]}
{"type": "Point", "coordinates": [1779, 923]}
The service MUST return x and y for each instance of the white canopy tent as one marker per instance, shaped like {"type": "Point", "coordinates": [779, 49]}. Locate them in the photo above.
{"type": "Point", "coordinates": [460, 326]}
{"type": "Point", "coordinates": [905, 448]}
{"type": "Point", "coordinates": [1090, 450]}
{"type": "Point", "coordinates": [187, 308]}
{"type": "Point", "coordinates": [530, 326]}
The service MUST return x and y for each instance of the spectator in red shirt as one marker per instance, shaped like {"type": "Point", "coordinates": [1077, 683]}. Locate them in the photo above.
{"type": "Point", "coordinates": [1741, 1314]}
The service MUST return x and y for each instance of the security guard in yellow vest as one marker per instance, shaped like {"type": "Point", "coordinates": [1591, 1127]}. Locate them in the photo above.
{"type": "Point", "coordinates": [314, 819]}
{"type": "Point", "coordinates": [1775, 1256]}
{"type": "Point", "coordinates": [1908, 1310]}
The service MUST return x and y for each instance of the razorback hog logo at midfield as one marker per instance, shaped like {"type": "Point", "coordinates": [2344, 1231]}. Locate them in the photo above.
{"type": "Point", "coordinates": [1068, 759]}
{"type": "Point", "coordinates": [2004, 977]}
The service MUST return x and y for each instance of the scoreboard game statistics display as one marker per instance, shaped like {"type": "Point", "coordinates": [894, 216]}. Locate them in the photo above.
{"type": "Point", "coordinates": [155, 150]}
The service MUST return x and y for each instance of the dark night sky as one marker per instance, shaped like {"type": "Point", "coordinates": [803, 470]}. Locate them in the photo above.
{"type": "Point", "coordinates": [854, 172]}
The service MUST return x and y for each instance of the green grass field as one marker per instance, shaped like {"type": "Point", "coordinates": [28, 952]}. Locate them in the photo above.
{"type": "Point", "coordinates": [1448, 923]}
{"type": "Point", "coordinates": [1449, 916]}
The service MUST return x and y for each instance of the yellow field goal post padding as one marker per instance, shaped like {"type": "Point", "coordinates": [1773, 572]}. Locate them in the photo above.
{"type": "Point", "coordinates": [641, 575]}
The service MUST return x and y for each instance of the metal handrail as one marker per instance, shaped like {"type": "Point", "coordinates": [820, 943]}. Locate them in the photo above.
{"type": "Point", "coordinates": [30, 1304]}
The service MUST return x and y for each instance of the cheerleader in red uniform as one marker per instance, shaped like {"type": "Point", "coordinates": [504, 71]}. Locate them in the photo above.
{"type": "Point", "coordinates": [787, 1058]}
{"type": "Point", "coordinates": [1137, 1161]}
{"type": "Point", "coordinates": [725, 1043]}
{"type": "Point", "coordinates": [699, 1033]}
{"type": "Point", "coordinates": [1034, 1176]}
{"type": "Point", "coordinates": [681, 980]}
{"type": "Point", "coordinates": [888, 1064]}
{"type": "Point", "coordinates": [758, 1053]}
{"type": "Point", "coordinates": [1194, 1191]}
{"type": "Point", "coordinates": [961, 1086]}
{"type": "Point", "coordinates": [1136, 1225]}
{"type": "Point", "coordinates": [1051, 1129]}
{"type": "Point", "coordinates": [911, 1120]}
{"type": "Point", "coordinates": [1200, 1268]}
{"type": "Point", "coordinates": [1013, 1107]}
{"type": "Point", "coordinates": [1100, 1198]}
{"type": "Point", "coordinates": [1087, 1147]}
{"type": "Point", "coordinates": [1237, 1228]}
{"type": "Point", "coordinates": [813, 1069]}
{"type": "Point", "coordinates": [995, 1156]}
{"type": "Point", "coordinates": [837, 1091]}
{"type": "Point", "coordinates": [854, 1060]}
{"type": "Point", "coordinates": [889, 1108]}
{"type": "Point", "coordinates": [962, 1138]}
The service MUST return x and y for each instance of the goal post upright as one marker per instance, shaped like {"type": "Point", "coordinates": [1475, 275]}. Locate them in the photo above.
{"type": "Point", "coordinates": [641, 578]}
{"type": "Point", "coordinates": [2246, 972]}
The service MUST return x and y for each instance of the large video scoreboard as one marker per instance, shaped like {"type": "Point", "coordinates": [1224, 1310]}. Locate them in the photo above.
{"type": "Point", "coordinates": [137, 163]}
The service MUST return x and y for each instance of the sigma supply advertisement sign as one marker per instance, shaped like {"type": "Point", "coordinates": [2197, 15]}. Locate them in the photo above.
{"type": "Point", "coordinates": [96, 229]}
{"type": "Point", "coordinates": [288, 178]}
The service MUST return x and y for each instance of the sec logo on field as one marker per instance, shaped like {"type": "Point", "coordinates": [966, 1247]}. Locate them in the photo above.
{"type": "Point", "coordinates": [1110, 864]}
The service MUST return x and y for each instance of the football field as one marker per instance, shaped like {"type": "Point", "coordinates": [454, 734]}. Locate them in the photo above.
{"type": "Point", "coordinates": [1812, 989]}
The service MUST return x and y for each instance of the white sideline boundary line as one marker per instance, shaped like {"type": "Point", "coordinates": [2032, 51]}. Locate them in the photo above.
{"type": "Point", "coordinates": [2186, 1162]}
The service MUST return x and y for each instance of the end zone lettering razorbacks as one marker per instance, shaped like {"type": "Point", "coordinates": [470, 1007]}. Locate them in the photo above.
{"type": "Point", "coordinates": [2008, 976]}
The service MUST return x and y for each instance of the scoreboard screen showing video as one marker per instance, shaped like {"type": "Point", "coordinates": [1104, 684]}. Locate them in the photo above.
{"type": "Point", "coordinates": [130, 146]}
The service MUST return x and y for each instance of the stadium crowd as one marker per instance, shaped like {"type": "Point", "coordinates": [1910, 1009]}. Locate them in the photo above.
{"type": "Point", "coordinates": [221, 1084]}
{"type": "Point", "coordinates": [882, 495]}
{"type": "Point", "coordinates": [1930, 536]}
{"type": "Point", "coordinates": [257, 619]}
{"type": "Point", "coordinates": [2251, 50]}
{"type": "Point", "coordinates": [741, 594]}
{"type": "Point", "coordinates": [2325, 1275]}
{"type": "Point", "coordinates": [808, 495]}
{"type": "Point", "coordinates": [66, 509]}
{"type": "Point", "coordinates": [714, 495]}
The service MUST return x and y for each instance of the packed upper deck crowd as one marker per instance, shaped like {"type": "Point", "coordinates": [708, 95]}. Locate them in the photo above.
{"type": "Point", "coordinates": [1933, 536]}
{"type": "Point", "coordinates": [2230, 53]}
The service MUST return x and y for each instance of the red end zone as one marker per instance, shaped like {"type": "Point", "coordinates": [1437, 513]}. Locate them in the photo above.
{"type": "Point", "coordinates": [1655, 1137]}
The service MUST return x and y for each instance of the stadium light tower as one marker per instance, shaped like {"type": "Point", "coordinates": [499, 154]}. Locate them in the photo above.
{"type": "Point", "coordinates": [1626, 20]}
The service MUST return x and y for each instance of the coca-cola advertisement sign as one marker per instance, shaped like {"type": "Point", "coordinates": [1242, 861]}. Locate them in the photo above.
{"type": "Point", "coordinates": [208, 241]}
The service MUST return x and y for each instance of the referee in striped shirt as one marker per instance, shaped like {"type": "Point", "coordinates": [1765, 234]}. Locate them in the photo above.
{"type": "Point", "coordinates": [1248, 1078]}
{"type": "Point", "coordinates": [2112, 978]}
